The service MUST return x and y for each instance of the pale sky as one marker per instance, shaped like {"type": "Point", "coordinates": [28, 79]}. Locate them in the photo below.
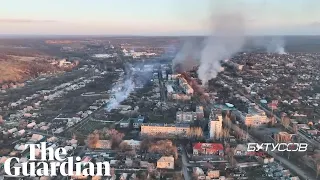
{"type": "Point", "coordinates": [154, 17]}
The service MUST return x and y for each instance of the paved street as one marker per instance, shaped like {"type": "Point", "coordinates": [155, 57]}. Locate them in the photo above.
{"type": "Point", "coordinates": [186, 164]}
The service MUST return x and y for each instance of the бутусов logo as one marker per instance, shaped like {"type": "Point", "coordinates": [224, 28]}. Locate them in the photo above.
{"type": "Point", "coordinates": [52, 163]}
{"type": "Point", "coordinates": [297, 147]}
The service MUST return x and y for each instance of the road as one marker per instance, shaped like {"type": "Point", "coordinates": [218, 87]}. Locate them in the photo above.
{"type": "Point", "coordinates": [292, 167]}
{"type": "Point", "coordinates": [185, 166]}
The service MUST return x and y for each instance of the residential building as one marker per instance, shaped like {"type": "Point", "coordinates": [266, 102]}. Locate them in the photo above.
{"type": "Point", "coordinates": [165, 162]}
{"type": "Point", "coordinates": [255, 117]}
{"type": "Point", "coordinates": [198, 172]}
{"type": "Point", "coordinates": [134, 144]}
{"type": "Point", "coordinates": [208, 148]}
{"type": "Point", "coordinates": [103, 144]}
{"type": "Point", "coordinates": [125, 123]}
{"type": "Point", "coordinates": [241, 150]}
{"type": "Point", "coordinates": [137, 122]}
{"type": "Point", "coordinates": [36, 138]}
{"type": "Point", "coordinates": [13, 130]}
{"type": "Point", "coordinates": [215, 125]}
{"type": "Point", "coordinates": [181, 97]}
{"type": "Point", "coordinates": [31, 125]}
{"type": "Point", "coordinates": [186, 116]}
{"type": "Point", "coordinates": [165, 129]}
{"type": "Point", "coordinates": [213, 174]}
{"type": "Point", "coordinates": [185, 86]}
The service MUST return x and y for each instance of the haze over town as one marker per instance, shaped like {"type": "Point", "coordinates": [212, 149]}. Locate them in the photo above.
{"type": "Point", "coordinates": [162, 90]}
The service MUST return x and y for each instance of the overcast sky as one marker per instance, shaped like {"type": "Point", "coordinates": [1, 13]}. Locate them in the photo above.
{"type": "Point", "coordinates": [155, 17]}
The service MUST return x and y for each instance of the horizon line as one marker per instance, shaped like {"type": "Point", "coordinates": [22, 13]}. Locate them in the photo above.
{"type": "Point", "coordinates": [132, 35]}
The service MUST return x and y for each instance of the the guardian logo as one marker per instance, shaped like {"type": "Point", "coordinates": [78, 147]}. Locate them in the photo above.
{"type": "Point", "coordinates": [53, 162]}
{"type": "Point", "coordinates": [295, 147]}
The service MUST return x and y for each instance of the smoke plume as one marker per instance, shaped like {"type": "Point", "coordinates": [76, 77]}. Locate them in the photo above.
{"type": "Point", "coordinates": [227, 38]}
{"type": "Point", "coordinates": [137, 76]}
{"type": "Point", "coordinates": [276, 45]}
{"type": "Point", "coordinates": [122, 90]}
{"type": "Point", "coordinates": [187, 58]}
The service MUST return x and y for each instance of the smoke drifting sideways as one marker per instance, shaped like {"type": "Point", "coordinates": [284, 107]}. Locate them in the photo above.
{"type": "Point", "coordinates": [226, 39]}
{"type": "Point", "coordinates": [136, 77]}
{"type": "Point", "coordinates": [122, 90]}
{"type": "Point", "coordinates": [187, 58]}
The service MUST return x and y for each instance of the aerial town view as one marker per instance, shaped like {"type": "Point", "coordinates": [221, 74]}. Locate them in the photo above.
{"type": "Point", "coordinates": [168, 90]}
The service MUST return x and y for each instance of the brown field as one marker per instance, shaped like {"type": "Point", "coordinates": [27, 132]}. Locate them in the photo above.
{"type": "Point", "coordinates": [18, 65]}
{"type": "Point", "coordinates": [12, 71]}
{"type": "Point", "coordinates": [18, 69]}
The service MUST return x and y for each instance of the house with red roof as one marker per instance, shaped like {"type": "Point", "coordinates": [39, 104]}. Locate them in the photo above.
{"type": "Point", "coordinates": [208, 148]}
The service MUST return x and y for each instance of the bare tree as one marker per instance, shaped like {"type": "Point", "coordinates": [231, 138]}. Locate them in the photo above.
{"type": "Point", "coordinates": [230, 155]}
{"type": "Point", "coordinates": [164, 147]}
{"type": "Point", "coordinates": [92, 140]}
{"type": "Point", "coordinates": [195, 132]}
{"type": "Point", "coordinates": [112, 172]}
{"type": "Point", "coordinates": [227, 121]}
{"type": "Point", "coordinates": [177, 176]}
{"type": "Point", "coordinates": [318, 167]}
{"type": "Point", "coordinates": [226, 133]}
{"type": "Point", "coordinates": [145, 143]}
{"type": "Point", "coordinates": [22, 124]}
{"type": "Point", "coordinates": [285, 122]}
{"type": "Point", "coordinates": [123, 146]}
{"type": "Point", "coordinates": [1, 120]}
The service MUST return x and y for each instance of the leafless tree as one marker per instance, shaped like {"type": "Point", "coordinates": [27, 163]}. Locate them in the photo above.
{"type": "Point", "coordinates": [195, 132]}
{"type": "Point", "coordinates": [226, 133]}
{"type": "Point", "coordinates": [285, 122]}
{"type": "Point", "coordinates": [1, 120]}
{"type": "Point", "coordinates": [318, 167]}
{"type": "Point", "coordinates": [92, 140]}
{"type": "Point", "coordinates": [123, 146]}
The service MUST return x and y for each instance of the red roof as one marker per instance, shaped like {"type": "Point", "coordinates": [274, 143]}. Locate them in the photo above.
{"type": "Point", "coordinates": [212, 146]}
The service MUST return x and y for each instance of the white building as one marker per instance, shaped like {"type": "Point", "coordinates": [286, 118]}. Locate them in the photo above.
{"type": "Point", "coordinates": [134, 144]}
{"type": "Point", "coordinates": [215, 125]}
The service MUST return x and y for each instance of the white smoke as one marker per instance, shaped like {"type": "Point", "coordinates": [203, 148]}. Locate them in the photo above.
{"type": "Point", "coordinates": [122, 92]}
{"type": "Point", "coordinates": [226, 39]}
{"type": "Point", "coordinates": [137, 76]}
{"type": "Point", "coordinates": [276, 45]}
